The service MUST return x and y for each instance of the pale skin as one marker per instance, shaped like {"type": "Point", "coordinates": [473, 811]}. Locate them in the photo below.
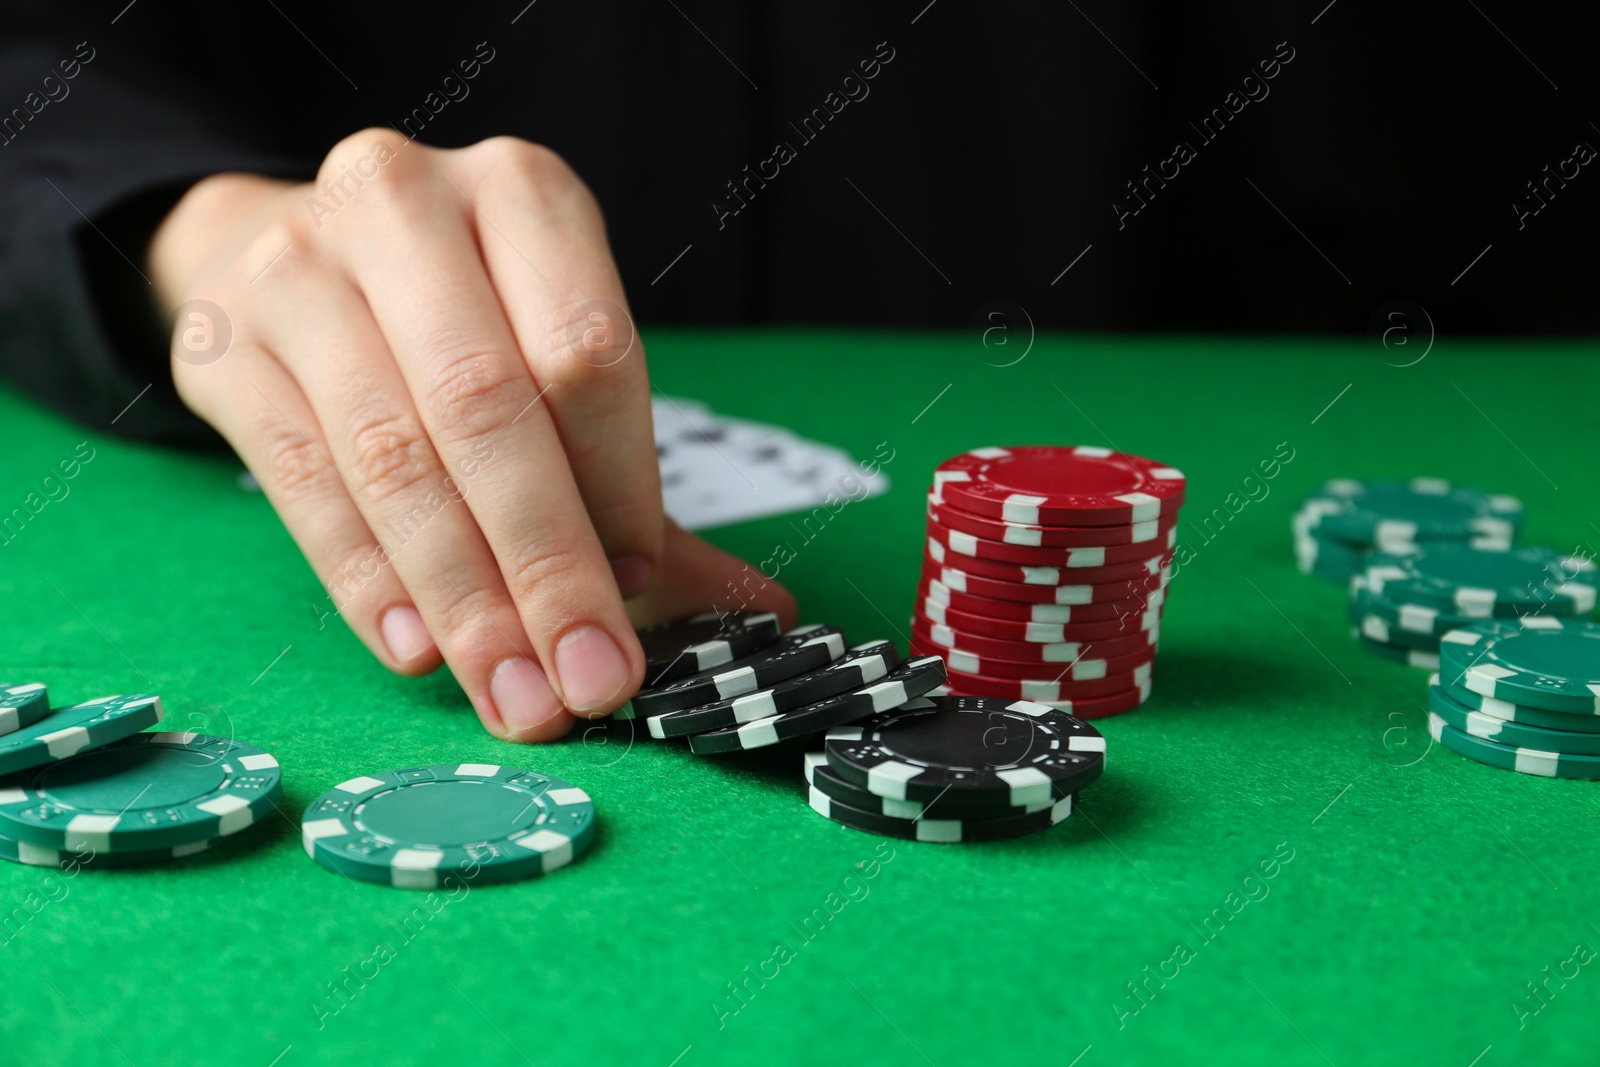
{"type": "Point", "coordinates": [415, 346]}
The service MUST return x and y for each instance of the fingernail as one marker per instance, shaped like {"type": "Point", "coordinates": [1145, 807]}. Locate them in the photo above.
{"type": "Point", "coordinates": [632, 574]}
{"type": "Point", "coordinates": [590, 668]}
{"type": "Point", "coordinates": [522, 695]}
{"type": "Point", "coordinates": [408, 639]}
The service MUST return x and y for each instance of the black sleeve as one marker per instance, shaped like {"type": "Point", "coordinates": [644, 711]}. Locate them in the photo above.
{"type": "Point", "coordinates": [96, 145]}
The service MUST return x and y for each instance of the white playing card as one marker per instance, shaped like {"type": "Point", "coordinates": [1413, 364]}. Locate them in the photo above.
{"type": "Point", "coordinates": [717, 470]}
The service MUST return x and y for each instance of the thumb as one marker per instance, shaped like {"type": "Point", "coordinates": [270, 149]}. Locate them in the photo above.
{"type": "Point", "coordinates": [695, 577]}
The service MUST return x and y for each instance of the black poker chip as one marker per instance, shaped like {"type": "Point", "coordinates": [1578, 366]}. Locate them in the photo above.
{"type": "Point", "coordinates": [825, 779]}
{"type": "Point", "coordinates": [701, 642]}
{"type": "Point", "coordinates": [906, 682]}
{"type": "Point", "coordinates": [944, 831]}
{"type": "Point", "coordinates": [860, 666]}
{"type": "Point", "coordinates": [1020, 750]}
{"type": "Point", "coordinates": [796, 652]}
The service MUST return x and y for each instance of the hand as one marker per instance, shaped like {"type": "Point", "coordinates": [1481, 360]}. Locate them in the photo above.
{"type": "Point", "coordinates": [462, 451]}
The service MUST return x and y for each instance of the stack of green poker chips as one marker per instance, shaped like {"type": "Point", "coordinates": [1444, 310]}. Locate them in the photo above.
{"type": "Point", "coordinates": [1404, 602]}
{"type": "Point", "coordinates": [1337, 526]}
{"type": "Point", "coordinates": [1521, 694]}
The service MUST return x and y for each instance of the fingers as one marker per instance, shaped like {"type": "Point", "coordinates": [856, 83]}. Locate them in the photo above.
{"type": "Point", "coordinates": [416, 262]}
{"type": "Point", "coordinates": [544, 242]}
{"type": "Point", "coordinates": [403, 490]}
{"type": "Point", "coordinates": [266, 418]}
{"type": "Point", "coordinates": [696, 576]}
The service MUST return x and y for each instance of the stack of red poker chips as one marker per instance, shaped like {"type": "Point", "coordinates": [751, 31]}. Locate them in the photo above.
{"type": "Point", "coordinates": [1044, 574]}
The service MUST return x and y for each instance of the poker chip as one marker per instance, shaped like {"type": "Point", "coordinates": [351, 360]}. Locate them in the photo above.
{"type": "Point", "coordinates": [1507, 711]}
{"type": "Point", "coordinates": [1046, 575]}
{"type": "Point", "coordinates": [1379, 631]}
{"type": "Point", "coordinates": [70, 730]}
{"type": "Point", "coordinates": [1018, 750]}
{"type": "Point", "coordinates": [1486, 583]}
{"type": "Point", "coordinates": [1510, 732]}
{"type": "Point", "coordinates": [942, 830]}
{"type": "Point", "coordinates": [148, 791]}
{"type": "Point", "coordinates": [14, 851]}
{"type": "Point", "coordinates": [1069, 595]}
{"type": "Point", "coordinates": [934, 613]}
{"type": "Point", "coordinates": [795, 653]}
{"type": "Point", "coordinates": [973, 804]}
{"type": "Point", "coordinates": [1327, 559]}
{"type": "Point", "coordinates": [477, 822]}
{"type": "Point", "coordinates": [1130, 607]}
{"type": "Point", "coordinates": [860, 666]}
{"type": "Point", "coordinates": [1422, 659]}
{"type": "Point", "coordinates": [1541, 661]}
{"type": "Point", "coordinates": [1100, 707]}
{"type": "Point", "coordinates": [1045, 690]}
{"type": "Point", "coordinates": [1419, 619]}
{"type": "Point", "coordinates": [909, 680]}
{"type": "Point", "coordinates": [1034, 652]}
{"type": "Point", "coordinates": [1422, 509]}
{"type": "Point", "coordinates": [1082, 558]}
{"type": "Point", "coordinates": [1079, 670]}
{"type": "Point", "coordinates": [22, 704]}
{"type": "Point", "coordinates": [699, 643]}
{"type": "Point", "coordinates": [1511, 758]}
{"type": "Point", "coordinates": [1029, 535]}
{"type": "Point", "coordinates": [1083, 486]}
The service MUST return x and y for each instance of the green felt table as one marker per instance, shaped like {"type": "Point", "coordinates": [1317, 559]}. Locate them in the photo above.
{"type": "Point", "coordinates": [1274, 834]}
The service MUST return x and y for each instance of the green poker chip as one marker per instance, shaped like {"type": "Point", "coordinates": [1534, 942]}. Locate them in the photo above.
{"type": "Point", "coordinates": [22, 704]}
{"type": "Point", "coordinates": [1412, 657]}
{"type": "Point", "coordinates": [67, 731]}
{"type": "Point", "coordinates": [1329, 560]}
{"type": "Point", "coordinates": [478, 822]}
{"type": "Point", "coordinates": [1486, 583]}
{"type": "Point", "coordinates": [145, 792]}
{"type": "Point", "coordinates": [1540, 661]}
{"type": "Point", "coordinates": [1380, 629]}
{"type": "Point", "coordinates": [1506, 711]}
{"type": "Point", "coordinates": [1511, 758]}
{"type": "Point", "coordinates": [1515, 734]}
{"type": "Point", "coordinates": [1422, 509]}
{"type": "Point", "coordinates": [14, 851]}
{"type": "Point", "coordinates": [1419, 619]}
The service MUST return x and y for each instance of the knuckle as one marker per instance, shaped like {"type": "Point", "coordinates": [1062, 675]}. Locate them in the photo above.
{"type": "Point", "coordinates": [388, 454]}
{"type": "Point", "coordinates": [474, 392]}
{"type": "Point", "coordinates": [357, 150]}
{"type": "Point", "coordinates": [539, 569]}
{"type": "Point", "coordinates": [297, 466]}
{"type": "Point", "coordinates": [511, 162]}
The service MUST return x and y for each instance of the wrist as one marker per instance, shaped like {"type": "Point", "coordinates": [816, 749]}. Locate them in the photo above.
{"type": "Point", "coordinates": [214, 210]}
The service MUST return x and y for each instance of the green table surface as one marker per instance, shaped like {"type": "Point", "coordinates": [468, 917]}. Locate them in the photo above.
{"type": "Point", "coordinates": [1409, 897]}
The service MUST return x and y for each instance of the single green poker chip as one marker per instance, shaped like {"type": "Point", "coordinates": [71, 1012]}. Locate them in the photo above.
{"type": "Point", "coordinates": [476, 822]}
{"type": "Point", "coordinates": [1422, 509]}
{"type": "Point", "coordinates": [1412, 657]}
{"type": "Point", "coordinates": [1483, 583]}
{"type": "Point", "coordinates": [1508, 757]}
{"type": "Point", "coordinates": [1515, 734]}
{"type": "Point", "coordinates": [1418, 619]}
{"type": "Point", "coordinates": [1506, 711]}
{"type": "Point", "coordinates": [1540, 661]}
{"type": "Point", "coordinates": [70, 730]}
{"type": "Point", "coordinates": [22, 705]}
{"type": "Point", "coordinates": [148, 791]}
{"type": "Point", "coordinates": [15, 851]}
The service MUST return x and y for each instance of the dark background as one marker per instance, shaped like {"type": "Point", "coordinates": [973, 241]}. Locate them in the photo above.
{"type": "Point", "coordinates": [984, 161]}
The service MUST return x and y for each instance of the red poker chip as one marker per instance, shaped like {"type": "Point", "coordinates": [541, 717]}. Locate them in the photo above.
{"type": "Point", "coordinates": [1023, 611]}
{"type": "Point", "coordinates": [1061, 653]}
{"type": "Point", "coordinates": [1090, 708]}
{"type": "Point", "coordinates": [1084, 558]}
{"type": "Point", "coordinates": [1032, 575]}
{"type": "Point", "coordinates": [1086, 671]}
{"type": "Point", "coordinates": [1042, 484]}
{"type": "Point", "coordinates": [1045, 691]}
{"type": "Point", "coordinates": [1017, 630]}
{"type": "Point", "coordinates": [1024, 534]}
{"type": "Point", "coordinates": [1071, 595]}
